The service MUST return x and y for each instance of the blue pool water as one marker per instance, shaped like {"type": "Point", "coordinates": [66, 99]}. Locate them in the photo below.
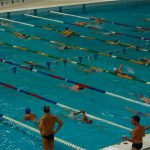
{"type": "Point", "coordinates": [98, 134]}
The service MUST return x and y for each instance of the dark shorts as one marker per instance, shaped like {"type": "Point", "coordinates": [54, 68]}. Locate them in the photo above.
{"type": "Point", "coordinates": [138, 146]}
{"type": "Point", "coordinates": [49, 137]}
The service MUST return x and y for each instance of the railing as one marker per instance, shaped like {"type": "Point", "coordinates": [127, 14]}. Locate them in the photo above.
{"type": "Point", "coordinates": [5, 3]}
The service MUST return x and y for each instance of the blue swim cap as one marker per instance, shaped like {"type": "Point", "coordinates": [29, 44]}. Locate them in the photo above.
{"type": "Point", "coordinates": [27, 110]}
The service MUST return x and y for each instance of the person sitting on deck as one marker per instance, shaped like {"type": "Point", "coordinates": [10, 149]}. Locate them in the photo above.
{"type": "Point", "coordinates": [84, 116]}
{"type": "Point", "coordinates": [145, 99]}
{"type": "Point", "coordinates": [29, 116]}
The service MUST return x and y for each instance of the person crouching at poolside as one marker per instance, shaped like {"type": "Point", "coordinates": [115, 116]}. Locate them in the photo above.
{"type": "Point", "coordinates": [47, 124]}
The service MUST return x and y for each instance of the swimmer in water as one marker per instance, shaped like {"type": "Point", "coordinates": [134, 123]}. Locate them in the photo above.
{"type": "Point", "coordinates": [81, 23]}
{"type": "Point", "coordinates": [63, 47]}
{"type": "Point", "coordinates": [145, 61]}
{"type": "Point", "coordinates": [113, 42]}
{"type": "Point", "coordinates": [29, 116]}
{"type": "Point", "coordinates": [88, 70]}
{"type": "Point", "coordinates": [145, 99]}
{"type": "Point", "coordinates": [97, 20]}
{"type": "Point", "coordinates": [139, 29]}
{"type": "Point", "coordinates": [22, 36]}
{"type": "Point", "coordinates": [84, 116]}
{"type": "Point", "coordinates": [6, 24]}
{"type": "Point", "coordinates": [69, 33]}
{"type": "Point", "coordinates": [119, 72]}
{"type": "Point", "coordinates": [137, 113]}
{"type": "Point", "coordinates": [76, 87]}
{"type": "Point", "coordinates": [147, 19]}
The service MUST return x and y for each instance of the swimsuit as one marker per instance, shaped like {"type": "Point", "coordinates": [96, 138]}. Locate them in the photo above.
{"type": "Point", "coordinates": [49, 137]}
{"type": "Point", "coordinates": [138, 146]}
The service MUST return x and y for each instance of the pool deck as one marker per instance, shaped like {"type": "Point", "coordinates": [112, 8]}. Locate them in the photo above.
{"type": "Point", "coordinates": [37, 4]}
{"type": "Point", "coordinates": [127, 145]}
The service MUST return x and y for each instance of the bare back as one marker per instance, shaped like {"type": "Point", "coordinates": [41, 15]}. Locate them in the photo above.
{"type": "Point", "coordinates": [47, 124]}
{"type": "Point", "coordinates": [138, 134]}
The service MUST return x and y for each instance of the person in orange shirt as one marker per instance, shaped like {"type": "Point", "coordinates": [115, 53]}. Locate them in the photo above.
{"type": "Point", "coordinates": [29, 116]}
{"type": "Point", "coordinates": [137, 134]}
{"type": "Point", "coordinates": [47, 125]}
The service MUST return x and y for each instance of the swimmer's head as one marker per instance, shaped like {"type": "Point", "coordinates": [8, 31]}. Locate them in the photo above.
{"type": "Point", "coordinates": [115, 69]}
{"type": "Point", "coordinates": [140, 95]}
{"type": "Point", "coordinates": [65, 47]}
{"type": "Point", "coordinates": [27, 111]}
{"type": "Point", "coordinates": [46, 109]}
{"type": "Point", "coordinates": [66, 28]}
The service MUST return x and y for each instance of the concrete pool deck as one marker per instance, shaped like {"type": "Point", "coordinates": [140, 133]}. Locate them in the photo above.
{"type": "Point", "coordinates": [37, 4]}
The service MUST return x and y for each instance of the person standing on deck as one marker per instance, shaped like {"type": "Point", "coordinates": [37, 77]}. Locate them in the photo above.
{"type": "Point", "coordinates": [47, 125]}
{"type": "Point", "coordinates": [137, 134]}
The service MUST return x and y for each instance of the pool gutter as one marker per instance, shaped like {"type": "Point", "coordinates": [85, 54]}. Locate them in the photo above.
{"type": "Point", "coordinates": [127, 145]}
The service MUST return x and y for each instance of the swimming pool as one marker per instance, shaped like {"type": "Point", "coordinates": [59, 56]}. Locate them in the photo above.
{"type": "Point", "coordinates": [96, 99]}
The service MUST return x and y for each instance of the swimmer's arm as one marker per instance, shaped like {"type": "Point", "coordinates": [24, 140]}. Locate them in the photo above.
{"type": "Point", "coordinates": [146, 100]}
{"type": "Point", "coordinates": [131, 110]}
{"type": "Point", "coordinates": [77, 113]}
{"type": "Point", "coordinates": [147, 128]}
{"type": "Point", "coordinates": [60, 124]}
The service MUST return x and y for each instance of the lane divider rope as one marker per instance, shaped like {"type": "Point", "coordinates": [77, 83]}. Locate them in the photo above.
{"type": "Point", "coordinates": [107, 21]}
{"type": "Point", "coordinates": [125, 76]}
{"type": "Point", "coordinates": [74, 82]}
{"type": "Point", "coordinates": [63, 106]}
{"type": "Point", "coordinates": [92, 37]}
{"type": "Point", "coordinates": [106, 54]}
{"type": "Point", "coordinates": [66, 143]}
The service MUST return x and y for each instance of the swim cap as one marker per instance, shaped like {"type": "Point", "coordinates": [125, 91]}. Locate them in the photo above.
{"type": "Point", "coordinates": [46, 109]}
{"type": "Point", "coordinates": [140, 95]}
{"type": "Point", "coordinates": [27, 110]}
